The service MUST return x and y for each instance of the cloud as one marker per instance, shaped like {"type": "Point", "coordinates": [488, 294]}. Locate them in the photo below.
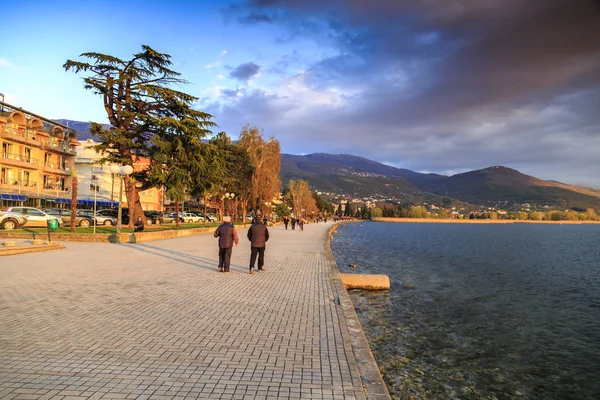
{"type": "Point", "coordinates": [246, 71]}
{"type": "Point", "coordinates": [433, 85]}
{"type": "Point", "coordinates": [4, 63]}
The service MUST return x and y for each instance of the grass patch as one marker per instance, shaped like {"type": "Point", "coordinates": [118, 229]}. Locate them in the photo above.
{"type": "Point", "coordinates": [107, 230]}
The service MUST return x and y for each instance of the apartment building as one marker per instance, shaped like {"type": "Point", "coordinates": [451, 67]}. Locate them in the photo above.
{"type": "Point", "coordinates": [40, 157]}
{"type": "Point", "coordinates": [96, 183]}
{"type": "Point", "coordinates": [36, 159]}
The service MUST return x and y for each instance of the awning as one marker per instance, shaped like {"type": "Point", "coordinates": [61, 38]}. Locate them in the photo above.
{"type": "Point", "coordinates": [86, 202]}
{"type": "Point", "coordinates": [13, 197]}
{"type": "Point", "coordinates": [103, 203]}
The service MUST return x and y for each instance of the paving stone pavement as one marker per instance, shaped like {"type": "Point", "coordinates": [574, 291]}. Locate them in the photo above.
{"type": "Point", "coordinates": [157, 321]}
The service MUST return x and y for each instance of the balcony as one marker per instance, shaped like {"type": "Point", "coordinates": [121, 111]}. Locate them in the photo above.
{"type": "Point", "coordinates": [26, 136]}
{"type": "Point", "coordinates": [55, 190]}
{"type": "Point", "coordinates": [59, 146]}
{"type": "Point", "coordinates": [18, 186]}
{"type": "Point", "coordinates": [18, 160]}
{"type": "Point", "coordinates": [55, 168]}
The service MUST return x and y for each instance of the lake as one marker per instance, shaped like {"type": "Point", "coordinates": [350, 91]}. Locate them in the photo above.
{"type": "Point", "coordinates": [495, 311]}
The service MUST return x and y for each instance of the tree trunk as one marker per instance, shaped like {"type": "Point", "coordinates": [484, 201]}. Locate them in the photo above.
{"type": "Point", "coordinates": [205, 214]}
{"type": "Point", "coordinates": [221, 210]}
{"type": "Point", "coordinates": [235, 210]}
{"type": "Point", "coordinates": [74, 187]}
{"type": "Point", "coordinates": [244, 205]}
{"type": "Point", "coordinates": [177, 213]}
{"type": "Point", "coordinates": [133, 201]}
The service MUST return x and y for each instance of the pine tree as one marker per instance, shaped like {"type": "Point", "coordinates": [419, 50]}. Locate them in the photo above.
{"type": "Point", "coordinates": [145, 114]}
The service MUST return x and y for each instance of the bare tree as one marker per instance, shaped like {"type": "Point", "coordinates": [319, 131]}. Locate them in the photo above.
{"type": "Point", "coordinates": [266, 158]}
{"type": "Point", "coordinates": [301, 198]}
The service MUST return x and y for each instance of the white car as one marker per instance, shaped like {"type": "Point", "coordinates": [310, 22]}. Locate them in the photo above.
{"type": "Point", "coordinates": [36, 218]}
{"type": "Point", "coordinates": [188, 217]}
{"type": "Point", "coordinates": [11, 220]}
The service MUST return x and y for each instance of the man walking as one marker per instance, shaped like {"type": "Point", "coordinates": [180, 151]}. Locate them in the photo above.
{"type": "Point", "coordinates": [227, 237]}
{"type": "Point", "coordinates": [258, 234]}
{"type": "Point", "coordinates": [286, 221]}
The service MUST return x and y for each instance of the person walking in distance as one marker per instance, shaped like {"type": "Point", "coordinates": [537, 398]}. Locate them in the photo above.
{"type": "Point", "coordinates": [258, 234]}
{"type": "Point", "coordinates": [286, 221]}
{"type": "Point", "coordinates": [227, 238]}
{"type": "Point", "coordinates": [293, 223]}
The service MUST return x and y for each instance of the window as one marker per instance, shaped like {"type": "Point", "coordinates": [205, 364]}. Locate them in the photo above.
{"type": "Point", "coordinates": [6, 149]}
{"type": "Point", "coordinates": [47, 182]}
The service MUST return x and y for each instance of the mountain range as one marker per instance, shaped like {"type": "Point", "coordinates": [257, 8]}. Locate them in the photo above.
{"type": "Point", "coordinates": [358, 177]}
{"type": "Point", "coordinates": [494, 186]}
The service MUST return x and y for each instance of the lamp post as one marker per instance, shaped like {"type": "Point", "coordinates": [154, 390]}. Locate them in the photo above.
{"type": "Point", "coordinates": [94, 181]}
{"type": "Point", "coordinates": [227, 196]}
{"type": "Point", "coordinates": [112, 188]}
{"type": "Point", "coordinates": [121, 170]}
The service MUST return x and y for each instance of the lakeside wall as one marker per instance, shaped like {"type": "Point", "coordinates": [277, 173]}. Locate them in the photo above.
{"type": "Point", "coordinates": [478, 221]}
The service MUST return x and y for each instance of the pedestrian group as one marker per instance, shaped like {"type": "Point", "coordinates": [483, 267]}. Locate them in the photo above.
{"type": "Point", "coordinates": [258, 235]}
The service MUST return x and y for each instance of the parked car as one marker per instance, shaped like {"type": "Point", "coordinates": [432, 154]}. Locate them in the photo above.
{"type": "Point", "coordinates": [209, 217]}
{"type": "Point", "coordinates": [35, 217]}
{"type": "Point", "coordinates": [212, 218]}
{"type": "Point", "coordinates": [11, 220]}
{"type": "Point", "coordinates": [168, 218]}
{"type": "Point", "coordinates": [100, 219]}
{"type": "Point", "coordinates": [170, 215]}
{"type": "Point", "coordinates": [157, 217]}
{"type": "Point", "coordinates": [114, 212]}
{"type": "Point", "coordinates": [200, 216]}
{"type": "Point", "coordinates": [65, 214]}
{"type": "Point", "coordinates": [188, 217]}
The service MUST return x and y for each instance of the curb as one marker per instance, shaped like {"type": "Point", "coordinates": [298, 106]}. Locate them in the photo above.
{"type": "Point", "coordinates": [30, 249]}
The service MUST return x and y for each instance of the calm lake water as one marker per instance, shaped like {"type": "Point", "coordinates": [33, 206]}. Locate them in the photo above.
{"type": "Point", "coordinates": [480, 311]}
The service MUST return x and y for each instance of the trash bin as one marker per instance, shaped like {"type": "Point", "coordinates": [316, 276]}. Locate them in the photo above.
{"type": "Point", "coordinates": [53, 224]}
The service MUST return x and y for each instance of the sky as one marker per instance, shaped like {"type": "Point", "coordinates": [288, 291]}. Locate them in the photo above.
{"type": "Point", "coordinates": [443, 86]}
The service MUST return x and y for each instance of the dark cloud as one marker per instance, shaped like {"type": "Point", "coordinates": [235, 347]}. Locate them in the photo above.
{"type": "Point", "coordinates": [244, 72]}
{"type": "Point", "coordinates": [231, 92]}
{"type": "Point", "coordinates": [255, 18]}
{"type": "Point", "coordinates": [442, 85]}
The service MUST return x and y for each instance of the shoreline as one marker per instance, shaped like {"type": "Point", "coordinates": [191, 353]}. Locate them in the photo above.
{"type": "Point", "coordinates": [373, 383]}
{"type": "Point", "coordinates": [481, 221]}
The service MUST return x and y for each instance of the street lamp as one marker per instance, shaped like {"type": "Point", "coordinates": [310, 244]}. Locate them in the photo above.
{"type": "Point", "coordinates": [121, 170]}
{"type": "Point", "coordinates": [228, 196]}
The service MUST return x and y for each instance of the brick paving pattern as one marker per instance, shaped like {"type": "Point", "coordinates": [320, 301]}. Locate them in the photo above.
{"type": "Point", "coordinates": [157, 321]}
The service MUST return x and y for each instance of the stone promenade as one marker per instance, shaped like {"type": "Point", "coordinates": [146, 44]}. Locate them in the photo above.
{"type": "Point", "coordinates": [157, 321]}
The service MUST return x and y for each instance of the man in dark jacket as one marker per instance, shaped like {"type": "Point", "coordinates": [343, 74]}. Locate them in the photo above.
{"type": "Point", "coordinates": [227, 237]}
{"type": "Point", "coordinates": [258, 234]}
